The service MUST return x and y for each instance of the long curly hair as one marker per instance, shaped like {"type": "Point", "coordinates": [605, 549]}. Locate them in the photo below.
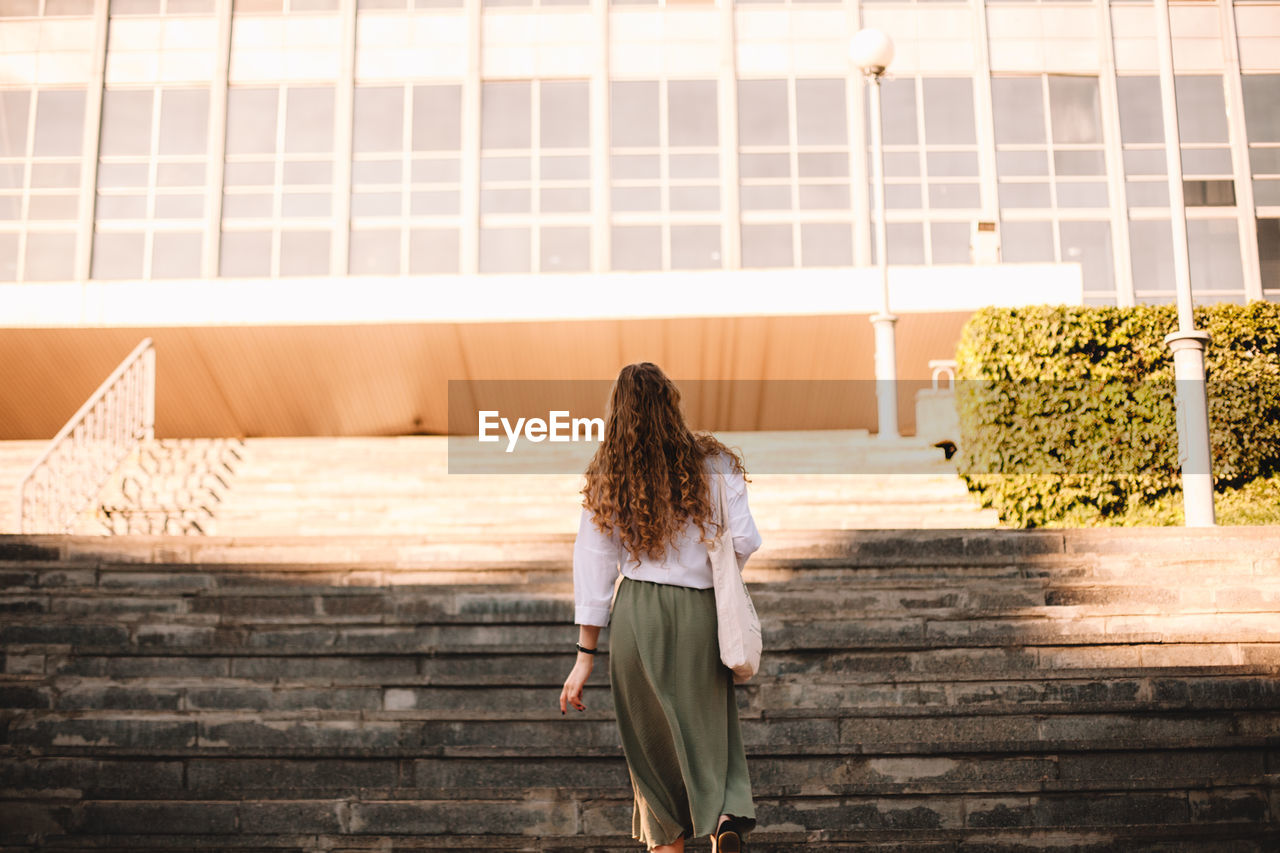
{"type": "Point", "coordinates": [647, 478]}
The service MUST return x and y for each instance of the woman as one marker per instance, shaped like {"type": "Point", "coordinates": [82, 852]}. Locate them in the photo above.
{"type": "Point", "coordinates": [648, 505]}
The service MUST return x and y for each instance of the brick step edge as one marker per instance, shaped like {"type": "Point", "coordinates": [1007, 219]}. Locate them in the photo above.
{"type": "Point", "coordinates": [416, 819]}
{"type": "Point", "coordinates": [1140, 839]}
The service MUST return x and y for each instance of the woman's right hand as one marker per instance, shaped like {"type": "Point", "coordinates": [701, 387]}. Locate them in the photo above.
{"type": "Point", "coordinates": [571, 693]}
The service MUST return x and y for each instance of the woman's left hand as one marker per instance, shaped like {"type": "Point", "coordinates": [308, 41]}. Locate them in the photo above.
{"type": "Point", "coordinates": [571, 693]}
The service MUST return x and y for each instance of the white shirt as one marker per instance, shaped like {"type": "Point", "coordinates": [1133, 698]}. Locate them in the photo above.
{"type": "Point", "coordinates": [596, 557]}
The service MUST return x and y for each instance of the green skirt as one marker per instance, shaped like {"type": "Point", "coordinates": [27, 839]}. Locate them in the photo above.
{"type": "Point", "coordinates": [676, 712]}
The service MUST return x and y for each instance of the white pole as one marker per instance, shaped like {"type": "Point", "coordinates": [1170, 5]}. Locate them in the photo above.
{"type": "Point", "coordinates": [886, 349]}
{"type": "Point", "coordinates": [1187, 343]}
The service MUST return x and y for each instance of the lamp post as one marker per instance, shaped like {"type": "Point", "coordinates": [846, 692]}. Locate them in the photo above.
{"type": "Point", "coordinates": [1194, 456]}
{"type": "Point", "coordinates": [872, 51]}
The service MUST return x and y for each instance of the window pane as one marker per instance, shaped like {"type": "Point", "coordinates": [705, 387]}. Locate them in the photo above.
{"type": "Point", "coordinates": [8, 257]}
{"type": "Point", "coordinates": [824, 197]}
{"type": "Point", "coordinates": [565, 249]}
{"type": "Point", "coordinates": [906, 243]}
{"type": "Point", "coordinates": [1209, 193]}
{"type": "Point", "coordinates": [504, 250]}
{"type": "Point", "coordinates": [309, 120]}
{"type": "Point", "coordinates": [304, 252]}
{"type": "Point", "coordinates": [1073, 109]}
{"type": "Point", "coordinates": [180, 175]}
{"type": "Point", "coordinates": [437, 118]}
{"type": "Point", "coordinates": [50, 257]}
{"type": "Point", "coordinates": [251, 121]}
{"type": "Point", "coordinates": [1268, 252]}
{"type": "Point", "coordinates": [955, 163]}
{"type": "Point", "coordinates": [762, 112]}
{"type": "Point", "coordinates": [13, 123]}
{"type": "Point", "coordinates": [564, 200]}
{"type": "Point", "coordinates": [1082, 194]}
{"type": "Point", "coordinates": [692, 113]}
{"type": "Point", "coordinates": [59, 123]}
{"type": "Point", "coordinates": [1206, 161]}
{"type": "Point", "coordinates": [949, 242]}
{"type": "Point", "coordinates": [823, 165]}
{"type": "Point", "coordinates": [765, 198]}
{"type": "Point", "coordinates": [1214, 247]}
{"type": "Point", "coordinates": [1151, 251]}
{"type": "Point", "coordinates": [176, 255]}
{"type": "Point", "coordinates": [767, 247]}
{"type": "Point", "coordinates": [126, 122]}
{"type": "Point", "coordinates": [433, 251]}
{"type": "Point", "coordinates": [375, 252]}
{"type": "Point", "coordinates": [1262, 106]}
{"type": "Point", "coordinates": [378, 121]}
{"type": "Point", "coordinates": [184, 121]}
{"type": "Point", "coordinates": [824, 244]}
{"type": "Point", "coordinates": [633, 114]}
{"type": "Point", "coordinates": [117, 256]}
{"type": "Point", "coordinates": [1023, 195]}
{"type": "Point", "coordinates": [245, 254]}
{"type": "Point", "coordinates": [563, 114]}
{"type": "Point", "coordinates": [694, 198]}
{"type": "Point", "coordinates": [764, 166]}
{"type": "Point", "coordinates": [954, 195]}
{"type": "Point", "coordinates": [1027, 242]}
{"type": "Point", "coordinates": [1147, 193]}
{"type": "Point", "coordinates": [636, 247]}
{"type": "Point", "coordinates": [948, 110]}
{"type": "Point", "coordinates": [574, 168]}
{"type": "Point", "coordinates": [695, 247]}
{"type": "Point", "coordinates": [1079, 163]}
{"type": "Point", "coordinates": [505, 115]}
{"type": "Point", "coordinates": [1018, 109]}
{"type": "Point", "coordinates": [1140, 116]}
{"type": "Point", "coordinates": [55, 175]}
{"type": "Point", "coordinates": [820, 112]}
{"type": "Point", "coordinates": [1018, 163]}
{"type": "Point", "coordinates": [179, 207]}
{"type": "Point", "coordinates": [902, 196]}
{"type": "Point", "coordinates": [1089, 244]}
{"type": "Point", "coordinates": [1202, 109]}
{"type": "Point", "coordinates": [898, 105]}
{"type": "Point", "coordinates": [899, 164]}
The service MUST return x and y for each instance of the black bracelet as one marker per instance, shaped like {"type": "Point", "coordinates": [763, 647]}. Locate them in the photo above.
{"type": "Point", "coordinates": [584, 650]}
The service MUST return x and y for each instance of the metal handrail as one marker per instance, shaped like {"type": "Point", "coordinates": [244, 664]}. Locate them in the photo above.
{"type": "Point", "coordinates": [98, 437]}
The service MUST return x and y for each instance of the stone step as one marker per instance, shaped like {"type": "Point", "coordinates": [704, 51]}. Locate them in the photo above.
{"type": "Point", "coordinates": [443, 566]}
{"type": "Point", "coordinates": [1042, 663]}
{"type": "Point", "coordinates": [522, 638]}
{"type": "Point", "coordinates": [1169, 815]}
{"type": "Point", "coordinates": [284, 778]}
{"type": "Point", "coordinates": [136, 597]}
{"type": "Point", "coordinates": [1239, 548]}
{"type": "Point", "coordinates": [1184, 838]}
{"type": "Point", "coordinates": [494, 698]}
{"type": "Point", "coordinates": [545, 733]}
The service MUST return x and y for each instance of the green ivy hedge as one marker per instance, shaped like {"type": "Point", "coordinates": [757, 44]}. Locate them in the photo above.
{"type": "Point", "coordinates": [1068, 412]}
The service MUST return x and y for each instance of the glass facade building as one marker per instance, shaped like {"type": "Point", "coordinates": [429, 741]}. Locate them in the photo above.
{"type": "Point", "coordinates": [202, 139]}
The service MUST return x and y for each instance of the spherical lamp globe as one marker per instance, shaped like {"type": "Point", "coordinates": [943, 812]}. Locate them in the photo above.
{"type": "Point", "coordinates": [871, 50]}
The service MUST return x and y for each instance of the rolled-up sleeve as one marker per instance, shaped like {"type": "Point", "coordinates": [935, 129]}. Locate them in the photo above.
{"type": "Point", "coordinates": [595, 570]}
{"type": "Point", "coordinates": [746, 538]}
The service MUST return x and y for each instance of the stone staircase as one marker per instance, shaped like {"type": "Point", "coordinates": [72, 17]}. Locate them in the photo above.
{"type": "Point", "coordinates": [402, 485]}
{"type": "Point", "coordinates": [940, 691]}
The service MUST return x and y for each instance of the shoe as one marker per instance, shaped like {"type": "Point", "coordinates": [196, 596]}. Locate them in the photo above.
{"type": "Point", "coordinates": [729, 837]}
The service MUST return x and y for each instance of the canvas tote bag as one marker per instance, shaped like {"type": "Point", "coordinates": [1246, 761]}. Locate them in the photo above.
{"type": "Point", "coordinates": [739, 626]}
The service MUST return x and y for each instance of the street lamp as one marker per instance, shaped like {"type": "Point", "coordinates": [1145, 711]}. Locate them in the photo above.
{"type": "Point", "coordinates": [1191, 397]}
{"type": "Point", "coordinates": [872, 51]}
